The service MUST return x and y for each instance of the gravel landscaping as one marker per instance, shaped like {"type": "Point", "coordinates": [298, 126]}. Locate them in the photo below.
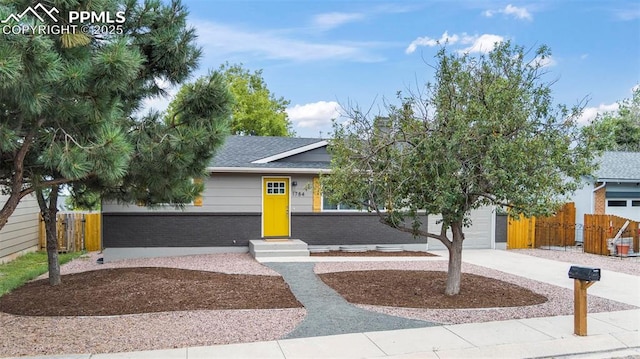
{"type": "Point", "coordinates": [28, 335]}
{"type": "Point", "coordinates": [628, 265]}
{"type": "Point", "coordinates": [559, 300]}
{"type": "Point", "coordinates": [44, 335]}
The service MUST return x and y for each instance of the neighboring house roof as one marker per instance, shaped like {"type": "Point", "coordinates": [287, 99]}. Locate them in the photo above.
{"type": "Point", "coordinates": [265, 153]}
{"type": "Point", "coordinates": [619, 166]}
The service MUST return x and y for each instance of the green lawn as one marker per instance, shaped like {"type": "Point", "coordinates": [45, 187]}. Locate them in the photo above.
{"type": "Point", "coordinates": [24, 268]}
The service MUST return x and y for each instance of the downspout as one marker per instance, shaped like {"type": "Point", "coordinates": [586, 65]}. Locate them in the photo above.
{"type": "Point", "coordinates": [593, 192]}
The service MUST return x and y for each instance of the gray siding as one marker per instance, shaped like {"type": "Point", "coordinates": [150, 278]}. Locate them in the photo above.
{"type": "Point", "coordinates": [21, 232]}
{"type": "Point", "coordinates": [228, 192]}
{"type": "Point", "coordinates": [583, 198]}
{"type": "Point", "coordinates": [231, 216]}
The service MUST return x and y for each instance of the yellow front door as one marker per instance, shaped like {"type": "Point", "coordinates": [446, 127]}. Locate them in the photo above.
{"type": "Point", "coordinates": [275, 207]}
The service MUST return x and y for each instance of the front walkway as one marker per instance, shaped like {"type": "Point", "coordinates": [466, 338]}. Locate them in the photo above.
{"type": "Point", "coordinates": [327, 312]}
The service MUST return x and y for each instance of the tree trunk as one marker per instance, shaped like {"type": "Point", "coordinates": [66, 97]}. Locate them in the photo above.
{"type": "Point", "coordinates": [454, 273]}
{"type": "Point", "coordinates": [17, 179]}
{"type": "Point", "coordinates": [9, 208]}
{"type": "Point", "coordinates": [49, 216]}
{"type": "Point", "coordinates": [52, 251]}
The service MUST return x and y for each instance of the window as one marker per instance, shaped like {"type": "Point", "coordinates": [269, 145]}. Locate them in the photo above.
{"type": "Point", "coordinates": [276, 187]}
{"type": "Point", "coordinates": [330, 206]}
{"type": "Point", "coordinates": [635, 203]}
{"type": "Point", "coordinates": [326, 205]}
{"type": "Point", "coordinates": [617, 203]}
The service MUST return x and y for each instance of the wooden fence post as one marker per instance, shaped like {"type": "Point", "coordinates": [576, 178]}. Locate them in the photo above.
{"type": "Point", "coordinates": [580, 306]}
{"type": "Point", "coordinates": [92, 232]}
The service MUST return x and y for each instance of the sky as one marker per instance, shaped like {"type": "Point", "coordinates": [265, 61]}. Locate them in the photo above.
{"type": "Point", "coordinates": [328, 56]}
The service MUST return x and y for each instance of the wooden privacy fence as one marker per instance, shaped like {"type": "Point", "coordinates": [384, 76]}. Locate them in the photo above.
{"type": "Point", "coordinates": [600, 227]}
{"type": "Point", "coordinates": [557, 230]}
{"type": "Point", "coordinates": [76, 232]}
{"type": "Point", "coordinates": [521, 232]}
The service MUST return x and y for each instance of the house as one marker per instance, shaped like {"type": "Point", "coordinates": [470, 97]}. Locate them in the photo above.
{"type": "Point", "coordinates": [20, 234]}
{"type": "Point", "coordinates": [613, 189]}
{"type": "Point", "coordinates": [262, 187]}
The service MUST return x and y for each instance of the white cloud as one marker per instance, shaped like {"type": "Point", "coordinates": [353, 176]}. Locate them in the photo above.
{"type": "Point", "coordinates": [518, 12]}
{"type": "Point", "coordinates": [317, 115]}
{"type": "Point", "coordinates": [225, 40]}
{"type": "Point", "coordinates": [629, 14]}
{"type": "Point", "coordinates": [547, 61]}
{"type": "Point", "coordinates": [590, 113]}
{"type": "Point", "coordinates": [427, 41]}
{"type": "Point", "coordinates": [510, 10]}
{"type": "Point", "coordinates": [332, 20]}
{"type": "Point", "coordinates": [478, 43]}
{"type": "Point", "coordinates": [159, 103]}
{"type": "Point", "coordinates": [482, 44]}
{"type": "Point", "coordinates": [488, 13]}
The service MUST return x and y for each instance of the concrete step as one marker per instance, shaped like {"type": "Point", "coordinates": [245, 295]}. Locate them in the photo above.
{"type": "Point", "coordinates": [280, 253]}
{"type": "Point", "coordinates": [260, 248]}
{"type": "Point", "coordinates": [260, 244]}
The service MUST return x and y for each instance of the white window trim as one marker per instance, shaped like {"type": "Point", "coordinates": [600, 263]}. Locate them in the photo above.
{"type": "Point", "coordinates": [322, 209]}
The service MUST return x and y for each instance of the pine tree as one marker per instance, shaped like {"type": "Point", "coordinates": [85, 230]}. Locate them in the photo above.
{"type": "Point", "coordinates": [69, 111]}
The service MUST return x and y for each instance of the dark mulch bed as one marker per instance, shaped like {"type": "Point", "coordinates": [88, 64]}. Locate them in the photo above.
{"type": "Point", "coordinates": [425, 289]}
{"type": "Point", "coordinates": [145, 290]}
{"type": "Point", "coordinates": [374, 254]}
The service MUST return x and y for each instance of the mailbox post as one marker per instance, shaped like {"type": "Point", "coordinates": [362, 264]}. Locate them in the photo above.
{"type": "Point", "coordinates": [583, 278]}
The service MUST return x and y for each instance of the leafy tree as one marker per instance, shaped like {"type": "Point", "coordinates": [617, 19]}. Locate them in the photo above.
{"type": "Point", "coordinates": [484, 133]}
{"type": "Point", "coordinates": [68, 112]}
{"type": "Point", "coordinates": [256, 112]}
{"type": "Point", "coordinates": [620, 130]}
{"type": "Point", "coordinates": [82, 199]}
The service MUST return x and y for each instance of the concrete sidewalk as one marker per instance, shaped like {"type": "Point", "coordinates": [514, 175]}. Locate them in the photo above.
{"type": "Point", "coordinates": [610, 334]}
{"type": "Point", "coordinates": [614, 334]}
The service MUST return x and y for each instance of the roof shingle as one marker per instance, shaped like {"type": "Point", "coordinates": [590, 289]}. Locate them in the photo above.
{"type": "Point", "coordinates": [619, 165]}
{"type": "Point", "coordinates": [241, 151]}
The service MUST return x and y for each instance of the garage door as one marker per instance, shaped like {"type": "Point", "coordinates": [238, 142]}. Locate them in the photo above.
{"type": "Point", "coordinates": [478, 236]}
{"type": "Point", "coordinates": [623, 207]}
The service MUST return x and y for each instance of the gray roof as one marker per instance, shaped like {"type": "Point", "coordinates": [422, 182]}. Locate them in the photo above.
{"type": "Point", "coordinates": [241, 151]}
{"type": "Point", "coordinates": [619, 166]}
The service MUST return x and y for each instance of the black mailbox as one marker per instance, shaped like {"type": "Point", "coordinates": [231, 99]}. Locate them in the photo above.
{"type": "Point", "coordinates": [584, 273]}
